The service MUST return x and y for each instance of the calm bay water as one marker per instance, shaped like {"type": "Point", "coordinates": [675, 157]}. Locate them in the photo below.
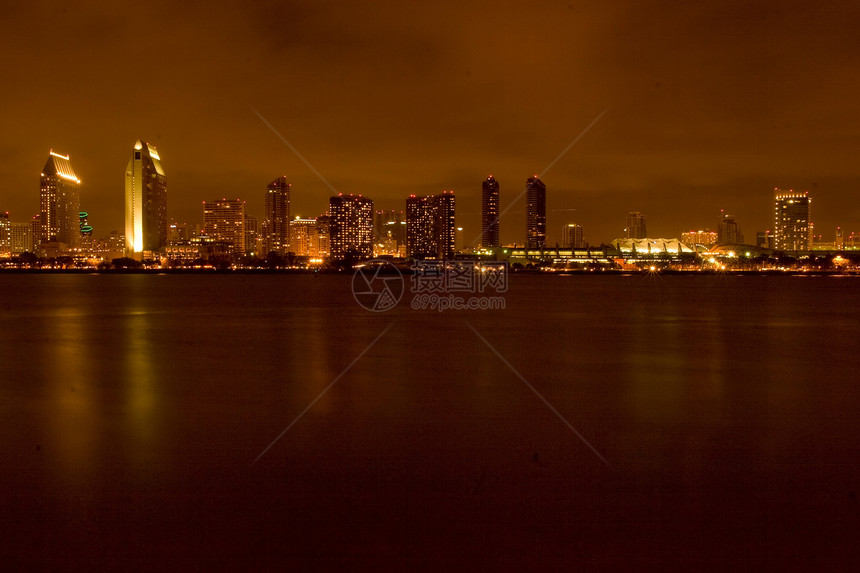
{"type": "Point", "coordinates": [134, 407]}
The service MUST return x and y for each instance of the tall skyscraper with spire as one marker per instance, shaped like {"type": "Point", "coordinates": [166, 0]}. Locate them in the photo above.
{"type": "Point", "coordinates": [276, 226]}
{"type": "Point", "coordinates": [535, 213]}
{"type": "Point", "coordinates": [490, 213]}
{"type": "Point", "coordinates": [145, 201]}
{"type": "Point", "coordinates": [60, 198]}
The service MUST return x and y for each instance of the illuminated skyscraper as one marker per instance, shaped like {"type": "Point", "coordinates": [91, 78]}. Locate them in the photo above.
{"type": "Point", "coordinates": [60, 202]}
{"type": "Point", "coordinates": [430, 226]}
{"type": "Point", "coordinates": [304, 237]}
{"type": "Point", "coordinates": [351, 226]}
{"type": "Point", "coordinates": [224, 222]}
{"type": "Point", "coordinates": [490, 213]}
{"type": "Point", "coordinates": [571, 235]}
{"type": "Point", "coordinates": [145, 201]}
{"type": "Point", "coordinates": [276, 226]}
{"type": "Point", "coordinates": [791, 220]}
{"type": "Point", "coordinates": [535, 213]}
{"type": "Point", "coordinates": [5, 234]}
{"type": "Point", "coordinates": [636, 228]}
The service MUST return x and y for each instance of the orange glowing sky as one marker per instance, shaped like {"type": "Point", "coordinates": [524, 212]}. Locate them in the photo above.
{"type": "Point", "coordinates": [710, 105]}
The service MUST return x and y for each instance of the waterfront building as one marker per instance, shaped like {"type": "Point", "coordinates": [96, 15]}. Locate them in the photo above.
{"type": "Point", "coordinates": [636, 227]}
{"type": "Point", "coordinates": [351, 226]}
{"type": "Point", "coordinates": [276, 226]}
{"type": "Point", "coordinates": [146, 220]}
{"type": "Point", "coordinates": [224, 222]}
{"type": "Point", "coordinates": [60, 194]}
{"type": "Point", "coordinates": [792, 226]}
{"type": "Point", "coordinates": [535, 213]}
{"type": "Point", "coordinates": [571, 236]}
{"type": "Point", "coordinates": [490, 213]}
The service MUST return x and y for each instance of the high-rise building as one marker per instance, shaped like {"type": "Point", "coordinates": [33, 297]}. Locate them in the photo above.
{"type": "Point", "coordinates": [351, 226]}
{"type": "Point", "coordinates": [431, 226]}
{"type": "Point", "coordinates": [21, 238]}
{"type": "Point", "coordinates": [705, 237]}
{"type": "Point", "coordinates": [421, 240]}
{"type": "Point", "coordinates": [446, 225]}
{"type": "Point", "coordinates": [791, 220]}
{"type": "Point", "coordinates": [60, 202]}
{"type": "Point", "coordinates": [839, 243]}
{"type": "Point", "coordinates": [276, 226]}
{"type": "Point", "coordinates": [145, 201]}
{"type": "Point", "coordinates": [5, 234]}
{"type": "Point", "coordinates": [304, 237]}
{"type": "Point", "coordinates": [571, 236]}
{"type": "Point", "coordinates": [251, 235]}
{"type": "Point", "coordinates": [490, 213]}
{"type": "Point", "coordinates": [535, 213]}
{"type": "Point", "coordinates": [635, 228]}
{"type": "Point", "coordinates": [324, 234]}
{"type": "Point", "coordinates": [728, 230]}
{"type": "Point", "coordinates": [224, 222]}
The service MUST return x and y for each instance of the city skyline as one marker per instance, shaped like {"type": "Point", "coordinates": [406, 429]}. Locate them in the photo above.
{"type": "Point", "coordinates": [708, 108]}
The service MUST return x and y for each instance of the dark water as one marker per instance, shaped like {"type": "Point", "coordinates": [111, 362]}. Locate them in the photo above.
{"type": "Point", "coordinates": [133, 408]}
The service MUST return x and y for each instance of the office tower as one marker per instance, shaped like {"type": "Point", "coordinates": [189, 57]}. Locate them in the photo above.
{"type": "Point", "coordinates": [351, 226]}
{"type": "Point", "coordinates": [431, 226]}
{"type": "Point", "coordinates": [490, 213]}
{"type": "Point", "coordinates": [706, 238]}
{"type": "Point", "coordinates": [535, 213]}
{"type": "Point", "coordinates": [224, 222]}
{"type": "Point", "coordinates": [446, 227]}
{"type": "Point", "coordinates": [728, 231]}
{"type": "Point", "coordinates": [571, 236]}
{"type": "Point", "coordinates": [791, 220]}
{"type": "Point", "coordinates": [304, 237]}
{"type": "Point", "coordinates": [421, 240]}
{"type": "Point", "coordinates": [635, 228]}
{"type": "Point", "coordinates": [251, 235]}
{"type": "Point", "coordinates": [324, 235]}
{"type": "Point", "coordinates": [21, 238]}
{"type": "Point", "coordinates": [764, 239]}
{"type": "Point", "coordinates": [840, 240]}
{"type": "Point", "coordinates": [60, 202]}
{"type": "Point", "coordinates": [276, 227]}
{"type": "Point", "coordinates": [145, 201]}
{"type": "Point", "coordinates": [5, 234]}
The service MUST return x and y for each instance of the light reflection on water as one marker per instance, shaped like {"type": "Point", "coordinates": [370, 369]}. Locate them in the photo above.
{"type": "Point", "coordinates": [133, 405]}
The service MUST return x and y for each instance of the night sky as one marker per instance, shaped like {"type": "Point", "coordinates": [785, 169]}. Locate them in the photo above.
{"type": "Point", "coordinates": [709, 106]}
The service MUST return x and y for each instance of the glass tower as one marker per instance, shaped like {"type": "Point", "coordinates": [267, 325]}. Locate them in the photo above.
{"type": "Point", "coordinates": [145, 201]}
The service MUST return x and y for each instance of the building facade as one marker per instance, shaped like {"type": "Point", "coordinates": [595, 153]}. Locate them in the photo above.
{"type": "Point", "coordinates": [431, 230]}
{"type": "Point", "coordinates": [490, 213]}
{"type": "Point", "coordinates": [224, 222]}
{"type": "Point", "coordinates": [146, 222]}
{"type": "Point", "coordinates": [60, 194]}
{"type": "Point", "coordinates": [571, 236]}
{"type": "Point", "coordinates": [304, 237]}
{"type": "Point", "coordinates": [791, 226]}
{"type": "Point", "coordinates": [635, 228]}
{"type": "Point", "coordinates": [535, 213]}
{"type": "Point", "coordinates": [276, 226]}
{"type": "Point", "coordinates": [350, 226]}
